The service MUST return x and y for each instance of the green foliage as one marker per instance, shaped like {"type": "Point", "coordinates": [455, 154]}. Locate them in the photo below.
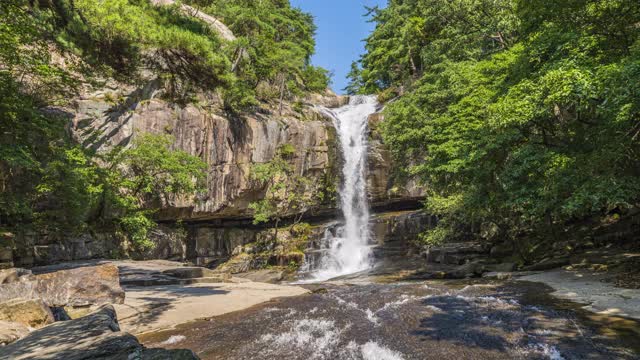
{"type": "Point", "coordinates": [117, 38]}
{"type": "Point", "coordinates": [287, 193]}
{"type": "Point", "coordinates": [273, 50]}
{"type": "Point", "coordinates": [147, 173]}
{"type": "Point", "coordinates": [520, 114]}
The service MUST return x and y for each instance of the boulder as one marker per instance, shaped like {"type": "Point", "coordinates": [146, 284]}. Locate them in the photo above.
{"type": "Point", "coordinates": [84, 286]}
{"type": "Point", "coordinates": [95, 336]}
{"type": "Point", "coordinates": [12, 331]}
{"type": "Point", "coordinates": [29, 312]}
{"type": "Point", "coordinates": [13, 275]}
{"type": "Point", "coordinates": [468, 270]}
{"type": "Point", "coordinates": [93, 285]}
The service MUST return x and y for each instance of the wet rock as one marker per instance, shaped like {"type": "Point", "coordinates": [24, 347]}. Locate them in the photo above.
{"type": "Point", "coordinates": [29, 312]}
{"type": "Point", "coordinates": [498, 275]}
{"type": "Point", "coordinates": [11, 331]}
{"type": "Point", "coordinates": [95, 336]}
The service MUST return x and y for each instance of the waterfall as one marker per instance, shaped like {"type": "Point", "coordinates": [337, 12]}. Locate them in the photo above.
{"type": "Point", "coordinates": [347, 248]}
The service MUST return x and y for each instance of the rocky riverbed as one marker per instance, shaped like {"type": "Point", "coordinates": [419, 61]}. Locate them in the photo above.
{"type": "Point", "coordinates": [166, 310]}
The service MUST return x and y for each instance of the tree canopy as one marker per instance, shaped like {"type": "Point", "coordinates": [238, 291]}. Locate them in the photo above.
{"type": "Point", "coordinates": [520, 115]}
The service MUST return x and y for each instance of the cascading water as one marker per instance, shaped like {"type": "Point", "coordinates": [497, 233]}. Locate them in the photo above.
{"type": "Point", "coordinates": [348, 249]}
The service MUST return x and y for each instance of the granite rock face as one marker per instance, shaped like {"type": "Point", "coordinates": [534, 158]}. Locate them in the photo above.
{"type": "Point", "coordinates": [386, 188]}
{"type": "Point", "coordinates": [230, 146]}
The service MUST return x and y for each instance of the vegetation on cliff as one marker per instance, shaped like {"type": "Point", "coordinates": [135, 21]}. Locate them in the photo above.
{"type": "Point", "coordinates": [51, 50]}
{"type": "Point", "coordinates": [518, 116]}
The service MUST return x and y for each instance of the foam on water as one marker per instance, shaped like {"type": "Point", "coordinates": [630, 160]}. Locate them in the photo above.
{"type": "Point", "coordinates": [373, 351]}
{"type": "Point", "coordinates": [174, 340]}
{"type": "Point", "coordinates": [319, 335]}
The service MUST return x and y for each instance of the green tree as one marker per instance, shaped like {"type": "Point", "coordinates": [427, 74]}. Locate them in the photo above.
{"type": "Point", "coordinates": [518, 115]}
{"type": "Point", "coordinates": [140, 178]}
{"type": "Point", "coordinates": [287, 193]}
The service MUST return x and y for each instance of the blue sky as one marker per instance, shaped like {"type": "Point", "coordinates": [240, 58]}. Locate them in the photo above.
{"type": "Point", "coordinates": [341, 29]}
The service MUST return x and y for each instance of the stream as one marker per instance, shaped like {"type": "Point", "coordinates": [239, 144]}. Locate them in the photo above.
{"type": "Point", "coordinates": [410, 320]}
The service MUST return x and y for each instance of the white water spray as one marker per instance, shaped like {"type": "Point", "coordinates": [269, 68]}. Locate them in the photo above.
{"type": "Point", "coordinates": [349, 251]}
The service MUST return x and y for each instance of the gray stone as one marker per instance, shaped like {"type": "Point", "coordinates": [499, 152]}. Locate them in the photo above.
{"type": "Point", "coordinates": [468, 270]}
{"type": "Point", "coordinates": [95, 336]}
{"type": "Point", "coordinates": [84, 286]}
{"type": "Point", "coordinates": [502, 268]}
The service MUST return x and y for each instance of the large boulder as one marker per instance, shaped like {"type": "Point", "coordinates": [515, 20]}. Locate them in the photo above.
{"type": "Point", "coordinates": [84, 286]}
{"type": "Point", "coordinates": [95, 336]}
{"type": "Point", "coordinates": [94, 285]}
{"type": "Point", "coordinates": [33, 313]}
{"type": "Point", "coordinates": [11, 331]}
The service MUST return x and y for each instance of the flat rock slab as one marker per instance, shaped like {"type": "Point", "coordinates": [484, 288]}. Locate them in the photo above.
{"type": "Point", "coordinates": [590, 288]}
{"type": "Point", "coordinates": [160, 307]}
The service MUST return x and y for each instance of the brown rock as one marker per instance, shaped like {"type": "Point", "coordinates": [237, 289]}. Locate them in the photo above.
{"type": "Point", "coordinates": [13, 275]}
{"type": "Point", "coordinates": [29, 312]}
{"type": "Point", "coordinates": [11, 331]}
{"type": "Point", "coordinates": [94, 285]}
{"type": "Point", "coordinates": [84, 286]}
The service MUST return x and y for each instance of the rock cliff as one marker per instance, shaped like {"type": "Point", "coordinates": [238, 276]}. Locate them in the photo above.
{"type": "Point", "coordinates": [232, 144]}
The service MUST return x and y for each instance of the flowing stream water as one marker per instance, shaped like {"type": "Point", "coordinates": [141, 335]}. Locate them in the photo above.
{"type": "Point", "coordinates": [347, 249]}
